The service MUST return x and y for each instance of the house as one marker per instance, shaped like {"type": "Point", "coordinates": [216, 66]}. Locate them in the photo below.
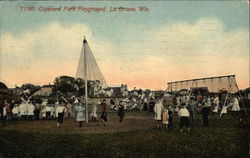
{"type": "Point", "coordinates": [46, 90]}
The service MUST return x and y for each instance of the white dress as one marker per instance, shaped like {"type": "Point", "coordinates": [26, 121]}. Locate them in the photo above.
{"type": "Point", "coordinates": [15, 110]}
{"type": "Point", "coordinates": [23, 109]}
{"type": "Point", "coordinates": [158, 110]}
{"type": "Point", "coordinates": [209, 103]}
{"type": "Point", "coordinates": [236, 106]}
{"type": "Point", "coordinates": [94, 114]}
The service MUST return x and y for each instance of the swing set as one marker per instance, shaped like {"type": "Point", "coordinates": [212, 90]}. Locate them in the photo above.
{"type": "Point", "coordinates": [216, 85]}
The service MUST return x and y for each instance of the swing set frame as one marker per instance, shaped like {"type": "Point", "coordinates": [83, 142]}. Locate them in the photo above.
{"type": "Point", "coordinates": [231, 82]}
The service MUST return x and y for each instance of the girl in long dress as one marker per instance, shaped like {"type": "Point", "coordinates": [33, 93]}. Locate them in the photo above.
{"type": "Point", "coordinates": [165, 118]}
{"type": "Point", "coordinates": [236, 106]}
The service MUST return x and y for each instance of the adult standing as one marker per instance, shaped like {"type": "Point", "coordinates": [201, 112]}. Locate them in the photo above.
{"type": "Point", "coordinates": [192, 111]}
{"type": "Point", "coordinates": [80, 117]}
{"type": "Point", "coordinates": [158, 108]}
{"type": "Point", "coordinates": [151, 105]}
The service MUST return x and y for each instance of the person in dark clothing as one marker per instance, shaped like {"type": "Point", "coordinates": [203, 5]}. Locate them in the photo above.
{"type": "Point", "coordinates": [121, 111]}
{"type": "Point", "coordinates": [205, 112]}
{"type": "Point", "coordinates": [243, 123]}
{"type": "Point", "coordinates": [145, 104]}
{"type": "Point", "coordinates": [37, 112]}
{"type": "Point", "coordinates": [151, 105]}
{"type": "Point", "coordinates": [104, 111]}
{"type": "Point", "coordinates": [1, 109]}
{"type": "Point", "coordinates": [170, 119]}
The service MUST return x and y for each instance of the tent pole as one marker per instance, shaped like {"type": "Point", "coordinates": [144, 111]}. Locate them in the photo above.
{"type": "Point", "coordinates": [86, 80]}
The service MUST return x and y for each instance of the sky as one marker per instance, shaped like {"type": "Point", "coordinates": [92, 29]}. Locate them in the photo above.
{"type": "Point", "coordinates": [173, 40]}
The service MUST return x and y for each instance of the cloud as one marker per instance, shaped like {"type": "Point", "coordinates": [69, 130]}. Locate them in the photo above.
{"type": "Point", "coordinates": [145, 58]}
{"type": "Point", "coordinates": [182, 51]}
{"type": "Point", "coordinates": [40, 55]}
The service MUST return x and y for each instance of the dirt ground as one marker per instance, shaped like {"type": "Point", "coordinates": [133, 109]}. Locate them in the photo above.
{"type": "Point", "coordinates": [129, 123]}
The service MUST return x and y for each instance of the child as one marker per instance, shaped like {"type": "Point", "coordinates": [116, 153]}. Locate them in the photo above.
{"type": "Point", "coordinates": [15, 112]}
{"type": "Point", "coordinates": [170, 119]}
{"type": "Point", "coordinates": [104, 115]}
{"type": "Point", "coordinates": [121, 111]}
{"type": "Point", "coordinates": [184, 117]}
{"type": "Point", "coordinates": [93, 113]}
{"type": "Point", "coordinates": [165, 118]}
{"type": "Point", "coordinates": [60, 110]}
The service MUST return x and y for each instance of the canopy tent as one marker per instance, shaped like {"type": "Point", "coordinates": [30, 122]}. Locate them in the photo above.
{"type": "Point", "coordinates": [87, 60]}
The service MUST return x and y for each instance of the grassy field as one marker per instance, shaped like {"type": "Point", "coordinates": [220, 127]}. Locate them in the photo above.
{"type": "Point", "coordinates": [135, 137]}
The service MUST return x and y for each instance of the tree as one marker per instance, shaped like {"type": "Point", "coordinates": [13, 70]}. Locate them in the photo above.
{"type": "Point", "coordinates": [3, 86]}
{"type": "Point", "coordinates": [28, 86]}
{"type": "Point", "coordinates": [64, 84]}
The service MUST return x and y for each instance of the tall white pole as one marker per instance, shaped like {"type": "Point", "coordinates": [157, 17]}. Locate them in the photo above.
{"type": "Point", "coordinates": [86, 80]}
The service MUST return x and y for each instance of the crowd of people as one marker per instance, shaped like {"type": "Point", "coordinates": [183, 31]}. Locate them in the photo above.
{"type": "Point", "coordinates": [164, 108]}
{"type": "Point", "coordinates": [187, 107]}
{"type": "Point", "coordinates": [28, 110]}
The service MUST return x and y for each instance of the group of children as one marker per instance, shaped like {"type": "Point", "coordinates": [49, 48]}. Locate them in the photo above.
{"type": "Point", "coordinates": [188, 107]}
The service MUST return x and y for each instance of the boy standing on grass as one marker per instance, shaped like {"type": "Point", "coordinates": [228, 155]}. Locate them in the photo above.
{"type": "Point", "coordinates": [205, 112]}
{"type": "Point", "coordinates": [121, 111]}
{"type": "Point", "coordinates": [60, 110]}
{"type": "Point", "coordinates": [184, 115]}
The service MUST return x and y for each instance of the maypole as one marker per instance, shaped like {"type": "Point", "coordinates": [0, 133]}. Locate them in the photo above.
{"type": "Point", "coordinates": [88, 70]}
{"type": "Point", "coordinates": [85, 80]}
